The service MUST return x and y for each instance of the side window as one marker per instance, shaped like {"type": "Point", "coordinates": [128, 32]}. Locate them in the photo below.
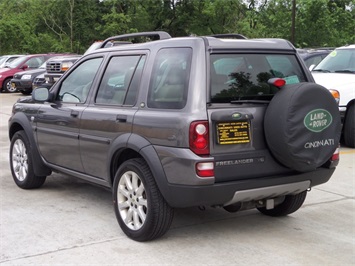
{"type": "Point", "coordinates": [117, 80]}
{"type": "Point", "coordinates": [170, 78]}
{"type": "Point", "coordinates": [35, 62]}
{"type": "Point", "coordinates": [75, 88]}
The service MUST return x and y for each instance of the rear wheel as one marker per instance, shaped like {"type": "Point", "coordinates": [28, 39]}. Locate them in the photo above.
{"type": "Point", "coordinates": [141, 210]}
{"type": "Point", "coordinates": [349, 127]}
{"type": "Point", "coordinates": [290, 204]}
{"type": "Point", "coordinates": [21, 163]}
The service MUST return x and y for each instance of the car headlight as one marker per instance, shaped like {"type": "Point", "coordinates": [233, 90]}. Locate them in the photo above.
{"type": "Point", "coordinates": [66, 65]}
{"type": "Point", "coordinates": [336, 95]}
{"type": "Point", "coordinates": [26, 77]}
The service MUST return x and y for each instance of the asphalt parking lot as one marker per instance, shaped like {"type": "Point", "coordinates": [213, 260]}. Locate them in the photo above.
{"type": "Point", "coordinates": [69, 222]}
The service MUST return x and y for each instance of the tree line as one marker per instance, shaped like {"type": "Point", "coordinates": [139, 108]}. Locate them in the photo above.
{"type": "Point", "coordinates": [39, 26]}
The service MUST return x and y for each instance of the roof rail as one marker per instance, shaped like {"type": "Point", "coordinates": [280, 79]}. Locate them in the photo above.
{"type": "Point", "coordinates": [229, 36]}
{"type": "Point", "coordinates": [160, 35]}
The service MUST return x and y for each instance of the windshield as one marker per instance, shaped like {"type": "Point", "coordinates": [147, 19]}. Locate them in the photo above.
{"type": "Point", "coordinates": [2, 59]}
{"type": "Point", "coordinates": [17, 62]}
{"type": "Point", "coordinates": [245, 76]}
{"type": "Point", "coordinates": [338, 61]}
{"type": "Point", "coordinates": [43, 65]}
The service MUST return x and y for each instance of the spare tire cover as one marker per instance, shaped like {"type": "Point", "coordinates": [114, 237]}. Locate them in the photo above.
{"type": "Point", "coordinates": [302, 126]}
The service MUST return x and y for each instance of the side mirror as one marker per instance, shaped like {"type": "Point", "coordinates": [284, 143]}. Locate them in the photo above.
{"type": "Point", "coordinates": [311, 67]}
{"type": "Point", "coordinates": [24, 67]}
{"type": "Point", "coordinates": [40, 95]}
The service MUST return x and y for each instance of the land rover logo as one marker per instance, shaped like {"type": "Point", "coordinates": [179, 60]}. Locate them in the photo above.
{"type": "Point", "coordinates": [317, 120]}
{"type": "Point", "coordinates": [236, 115]}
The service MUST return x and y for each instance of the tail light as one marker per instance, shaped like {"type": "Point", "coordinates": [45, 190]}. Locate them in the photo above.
{"type": "Point", "coordinates": [334, 160]}
{"type": "Point", "coordinates": [335, 156]}
{"type": "Point", "coordinates": [199, 137]}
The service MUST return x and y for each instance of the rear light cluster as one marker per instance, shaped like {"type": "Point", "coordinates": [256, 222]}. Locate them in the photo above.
{"type": "Point", "coordinates": [199, 137]}
{"type": "Point", "coordinates": [335, 156]}
{"type": "Point", "coordinates": [199, 144]}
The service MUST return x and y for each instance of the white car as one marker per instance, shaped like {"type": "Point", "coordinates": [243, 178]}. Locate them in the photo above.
{"type": "Point", "coordinates": [7, 59]}
{"type": "Point", "coordinates": [337, 73]}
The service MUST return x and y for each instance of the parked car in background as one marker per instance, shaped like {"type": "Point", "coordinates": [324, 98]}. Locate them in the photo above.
{"type": "Point", "coordinates": [55, 67]}
{"type": "Point", "coordinates": [313, 56]}
{"type": "Point", "coordinates": [7, 59]}
{"type": "Point", "coordinates": [22, 81]}
{"type": "Point", "coordinates": [39, 81]}
{"type": "Point", "coordinates": [337, 73]}
{"type": "Point", "coordinates": [22, 63]}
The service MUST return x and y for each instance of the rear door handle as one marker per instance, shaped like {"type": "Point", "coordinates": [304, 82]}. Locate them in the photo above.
{"type": "Point", "coordinates": [121, 118]}
{"type": "Point", "coordinates": [74, 113]}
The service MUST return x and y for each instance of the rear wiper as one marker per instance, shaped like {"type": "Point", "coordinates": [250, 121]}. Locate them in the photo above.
{"type": "Point", "coordinates": [321, 70]}
{"type": "Point", "coordinates": [344, 71]}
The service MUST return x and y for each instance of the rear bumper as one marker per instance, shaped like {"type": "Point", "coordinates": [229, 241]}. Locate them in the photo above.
{"type": "Point", "coordinates": [179, 196]}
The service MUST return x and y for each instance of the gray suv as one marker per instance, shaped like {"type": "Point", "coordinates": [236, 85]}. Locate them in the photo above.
{"type": "Point", "coordinates": [181, 122]}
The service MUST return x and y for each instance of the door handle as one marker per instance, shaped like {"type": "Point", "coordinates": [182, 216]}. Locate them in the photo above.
{"type": "Point", "coordinates": [121, 118]}
{"type": "Point", "coordinates": [74, 113]}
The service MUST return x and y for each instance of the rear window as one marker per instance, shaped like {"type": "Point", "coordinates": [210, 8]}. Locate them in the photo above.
{"type": "Point", "coordinates": [245, 76]}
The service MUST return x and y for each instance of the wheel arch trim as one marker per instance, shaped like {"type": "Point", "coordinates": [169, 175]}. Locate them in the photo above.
{"type": "Point", "coordinates": [19, 122]}
{"type": "Point", "coordinates": [146, 150]}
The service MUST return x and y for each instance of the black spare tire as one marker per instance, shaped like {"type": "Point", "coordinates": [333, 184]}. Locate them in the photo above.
{"type": "Point", "coordinates": [302, 126]}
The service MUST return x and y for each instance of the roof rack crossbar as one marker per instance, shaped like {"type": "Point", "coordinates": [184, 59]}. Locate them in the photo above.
{"type": "Point", "coordinates": [229, 35]}
{"type": "Point", "coordinates": [161, 34]}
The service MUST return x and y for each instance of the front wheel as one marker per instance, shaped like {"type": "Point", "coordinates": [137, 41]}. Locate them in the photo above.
{"type": "Point", "coordinates": [7, 86]}
{"type": "Point", "coordinates": [349, 127]}
{"type": "Point", "coordinates": [290, 204]}
{"type": "Point", "coordinates": [21, 163]}
{"type": "Point", "coordinates": [141, 211]}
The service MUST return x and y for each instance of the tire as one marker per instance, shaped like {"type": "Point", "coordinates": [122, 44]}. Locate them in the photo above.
{"type": "Point", "coordinates": [302, 126]}
{"type": "Point", "coordinates": [349, 127]}
{"type": "Point", "coordinates": [140, 209]}
{"type": "Point", "coordinates": [6, 86]}
{"type": "Point", "coordinates": [21, 163]}
{"type": "Point", "coordinates": [291, 204]}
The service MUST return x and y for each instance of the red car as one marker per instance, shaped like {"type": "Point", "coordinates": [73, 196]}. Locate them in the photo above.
{"type": "Point", "coordinates": [22, 63]}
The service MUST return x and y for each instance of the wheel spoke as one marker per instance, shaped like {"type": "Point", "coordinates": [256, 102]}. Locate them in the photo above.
{"type": "Point", "coordinates": [127, 181]}
{"type": "Point", "coordinates": [140, 190]}
{"type": "Point", "coordinates": [136, 223]}
{"type": "Point", "coordinates": [128, 218]}
{"type": "Point", "coordinates": [135, 181]}
{"type": "Point", "coordinates": [142, 214]}
{"type": "Point", "coordinates": [142, 202]}
{"type": "Point", "coordinates": [123, 191]}
{"type": "Point", "coordinates": [123, 205]}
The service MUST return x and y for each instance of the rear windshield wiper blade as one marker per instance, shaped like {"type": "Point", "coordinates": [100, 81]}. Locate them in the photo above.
{"type": "Point", "coordinates": [344, 71]}
{"type": "Point", "coordinates": [321, 70]}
